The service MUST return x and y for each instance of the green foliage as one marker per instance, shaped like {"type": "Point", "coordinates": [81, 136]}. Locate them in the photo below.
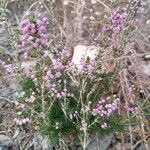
{"type": "Point", "coordinates": [27, 85]}
{"type": "Point", "coordinates": [57, 122]}
{"type": "Point", "coordinates": [114, 125]}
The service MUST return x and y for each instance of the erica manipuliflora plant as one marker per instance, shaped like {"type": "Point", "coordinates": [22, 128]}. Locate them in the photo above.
{"type": "Point", "coordinates": [70, 98]}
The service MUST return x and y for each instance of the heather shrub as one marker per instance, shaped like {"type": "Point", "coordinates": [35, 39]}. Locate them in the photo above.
{"type": "Point", "coordinates": [68, 99]}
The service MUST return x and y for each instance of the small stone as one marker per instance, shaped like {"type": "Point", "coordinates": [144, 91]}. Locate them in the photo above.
{"type": "Point", "coordinates": [127, 146]}
{"type": "Point", "coordinates": [93, 1]}
{"type": "Point", "coordinates": [147, 57]}
{"type": "Point", "coordinates": [100, 143]}
{"type": "Point", "coordinates": [148, 22]}
{"type": "Point", "coordinates": [41, 143]}
{"type": "Point", "coordinates": [66, 2]}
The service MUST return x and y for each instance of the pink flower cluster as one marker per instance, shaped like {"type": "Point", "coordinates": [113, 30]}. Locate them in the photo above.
{"type": "Point", "coordinates": [118, 19]}
{"type": "Point", "coordinates": [84, 125]}
{"type": "Point", "coordinates": [31, 99]}
{"type": "Point", "coordinates": [55, 73]}
{"type": "Point", "coordinates": [129, 108]}
{"type": "Point", "coordinates": [9, 68]}
{"type": "Point", "coordinates": [115, 27]}
{"type": "Point", "coordinates": [138, 6]}
{"type": "Point", "coordinates": [141, 7]}
{"type": "Point", "coordinates": [57, 64]}
{"type": "Point", "coordinates": [104, 125]}
{"type": "Point", "coordinates": [49, 75]}
{"type": "Point", "coordinates": [21, 122]}
{"type": "Point", "coordinates": [88, 67]}
{"type": "Point", "coordinates": [131, 93]}
{"type": "Point", "coordinates": [30, 73]}
{"type": "Point", "coordinates": [116, 24]}
{"type": "Point", "coordinates": [105, 108]}
{"type": "Point", "coordinates": [54, 81]}
{"type": "Point", "coordinates": [55, 88]}
{"type": "Point", "coordinates": [34, 32]}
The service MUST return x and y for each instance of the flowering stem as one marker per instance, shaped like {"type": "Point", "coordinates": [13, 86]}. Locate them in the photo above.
{"type": "Point", "coordinates": [42, 94]}
{"type": "Point", "coordinates": [85, 140]}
